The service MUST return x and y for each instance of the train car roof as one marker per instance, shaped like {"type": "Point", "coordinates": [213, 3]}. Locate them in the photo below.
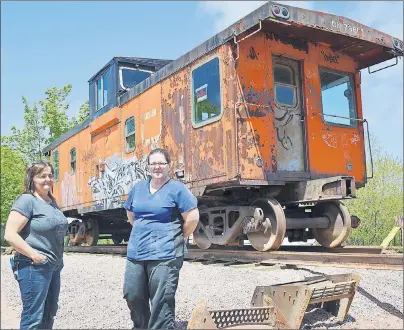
{"type": "Point", "coordinates": [157, 64]}
{"type": "Point", "coordinates": [366, 45]}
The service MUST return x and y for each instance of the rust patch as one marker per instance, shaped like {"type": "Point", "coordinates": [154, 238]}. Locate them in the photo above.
{"type": "Point", "coordinates": [298, 44]}
{"type": "Point", "coordinates": [174, 115]}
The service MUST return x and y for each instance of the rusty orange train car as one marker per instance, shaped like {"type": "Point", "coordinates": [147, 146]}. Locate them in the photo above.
{"type": "Point", "coordinates": [263, 121]}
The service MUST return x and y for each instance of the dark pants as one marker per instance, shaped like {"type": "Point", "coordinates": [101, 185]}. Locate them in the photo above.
{"type": "Point", "coordinates": [156, 281]}
{"type": "Point", "coordinates": [39, 287]}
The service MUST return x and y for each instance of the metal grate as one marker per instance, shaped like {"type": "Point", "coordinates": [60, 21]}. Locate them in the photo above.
{"type": "Point", "coordinates": [225, 318]}
{"type": "Point", "coordinates": [335, 291]}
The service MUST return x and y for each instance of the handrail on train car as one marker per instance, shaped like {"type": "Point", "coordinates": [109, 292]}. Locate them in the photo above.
{"type": "Point", "coordinates": [388, 66]}
{"type": "Point", "coordinates": [247, 36]}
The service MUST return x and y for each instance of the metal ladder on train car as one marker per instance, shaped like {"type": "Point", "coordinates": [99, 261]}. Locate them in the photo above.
{"type": "Point", "coordinates": [282, 306]}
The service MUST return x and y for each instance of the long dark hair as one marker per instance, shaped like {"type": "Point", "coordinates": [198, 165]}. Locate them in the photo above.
{"type": "Point", "coordinates": [34, 169]}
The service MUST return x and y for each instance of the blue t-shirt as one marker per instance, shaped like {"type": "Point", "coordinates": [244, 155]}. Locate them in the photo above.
{"type": "Point", "coordinates": [157, 232]}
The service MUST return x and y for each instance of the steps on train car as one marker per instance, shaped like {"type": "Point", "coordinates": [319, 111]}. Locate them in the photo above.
{"type": "Point", "coordinates": [282, 306]}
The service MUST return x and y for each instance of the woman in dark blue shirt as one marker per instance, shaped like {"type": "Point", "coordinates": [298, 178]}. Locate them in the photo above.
{"type": "Point", "coordinates": [163, 213]}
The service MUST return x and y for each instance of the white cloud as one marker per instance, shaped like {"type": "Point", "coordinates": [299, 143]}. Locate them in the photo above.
{"type": "Point", "coordinates": [382, 92]}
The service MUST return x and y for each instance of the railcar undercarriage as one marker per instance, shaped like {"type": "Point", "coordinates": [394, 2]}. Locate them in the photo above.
{"type": "Point", "coordinates": [304, 210]}
{"type": "Point", "coordinates": [231, 216]}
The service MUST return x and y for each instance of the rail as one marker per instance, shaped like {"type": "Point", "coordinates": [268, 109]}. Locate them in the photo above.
{"type": "Point", "coordinates": [346, 257]}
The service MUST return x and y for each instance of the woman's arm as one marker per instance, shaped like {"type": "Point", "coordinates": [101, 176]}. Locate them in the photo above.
{"type": "Point", "coordinates": [15, 223]}
{"type": "Point", "coordinates": [131, 217]}
{"type": "Point", "coordinates": [191, 219]}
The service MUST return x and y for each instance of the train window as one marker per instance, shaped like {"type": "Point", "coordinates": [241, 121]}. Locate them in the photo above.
{"type": "Point", "coordinates": [102, 90]}
{"type": "Point", "coordinates": [129, 77]}
{"type": "Point", "coordinates": [338, 99]}
{"type": "Point", "coordinates": [130, 136]}
{"type": "Point", "coordinates": [206, 92]}
{"type": "Point", "coordinates": [73, 160]}
{"type": "Point", "coordinates": [55, 164]}
{"type": "Point", "coordinates": [285, 86]}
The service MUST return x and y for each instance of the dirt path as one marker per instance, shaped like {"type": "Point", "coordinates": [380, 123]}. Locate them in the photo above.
{"type": "Point", "coordinates": [9, 318]}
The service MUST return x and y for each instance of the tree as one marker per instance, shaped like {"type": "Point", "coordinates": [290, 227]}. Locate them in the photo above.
{"type": "Point", "coordinates": [12, 179]}
{"type": "Point", "coordinates": [54, 114]}
{"type": "Point", "coordinates": [84, 113]}
{"type": "Point", "coordinates": [44, 125]}
{"type": "Point", "coordinates": [30, 140]}
{"type": "Point", "coordinates": [380, 201]}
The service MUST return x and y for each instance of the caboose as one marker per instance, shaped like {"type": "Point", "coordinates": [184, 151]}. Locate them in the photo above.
{"type": "Point", "coordinates": [263, 121]}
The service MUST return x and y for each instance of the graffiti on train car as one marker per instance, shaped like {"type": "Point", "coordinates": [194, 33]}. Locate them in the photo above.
{"type": "Point", "coordinates": [330, 57]}
{"type": "Point", "coordinates": [89, 154]}
{"type": "Point", "coordinates": [334, 140]}
{"type": "Point", "coordinates": [283, 118]}
{"type": "Point", "coordinates": [116, 178]}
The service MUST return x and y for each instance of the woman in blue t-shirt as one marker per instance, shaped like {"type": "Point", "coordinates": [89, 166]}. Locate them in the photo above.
{"type": "Point", "coordinates": [163, 213]}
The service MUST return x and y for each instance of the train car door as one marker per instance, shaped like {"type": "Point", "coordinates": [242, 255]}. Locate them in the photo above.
{"type": "Point", "coordinates": [336, 134]}
{"type": "Point", "coordinates": [104, 141]}
{"type": "Point", "coordinates": [288, 113]}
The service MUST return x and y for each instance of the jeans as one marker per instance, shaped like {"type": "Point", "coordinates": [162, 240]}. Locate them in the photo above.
{"type": "Point", "coordinates": [39, 288]}
{"type": "Point", "coordinates": [156, 281]}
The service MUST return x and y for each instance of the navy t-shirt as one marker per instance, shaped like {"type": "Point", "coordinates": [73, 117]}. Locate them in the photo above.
{"type": "Point", "coordinates": [157, 232]}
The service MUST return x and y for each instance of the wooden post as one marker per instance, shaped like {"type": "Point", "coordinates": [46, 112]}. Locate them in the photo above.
{"type": "Point", "coordinates": [399, 223]}
{"type": "Point", "coordinates": [398, 226]}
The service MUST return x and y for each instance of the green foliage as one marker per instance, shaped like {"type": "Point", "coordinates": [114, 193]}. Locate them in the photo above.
{"type": "Point", "coordinates": [30, 140]}
{"type": "Point", "coordinates": [12, 179]}
{"type": "Point", "coordinates": [54, 114]}
{"type": "Point", "coordinates": [378, 204]}
{"type": "Point", "coordinates": [84, 112]}
{"type": "Point", "coordinates": [44, 125]}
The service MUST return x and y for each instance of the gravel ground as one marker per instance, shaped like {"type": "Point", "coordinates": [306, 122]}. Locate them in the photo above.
{"type": "Point", "coordinates": [91, 294]}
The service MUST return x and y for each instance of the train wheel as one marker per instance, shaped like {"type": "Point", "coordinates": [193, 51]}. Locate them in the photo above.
{"type": "Point", "coordinates": [272, 237]}
{"type": "Point", "coordinates": [92, 232]}
{"type": "Point", "coordinates": [340, 223]}
{"type": "Point", "coordinates": [77, 238]}
{"type": "Point", "coordinates": [117, 238]}
{"type": "Point", "coordinates": [199, 236]}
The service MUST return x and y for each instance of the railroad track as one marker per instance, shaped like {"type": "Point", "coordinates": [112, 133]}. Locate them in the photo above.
{"type": "Point", "coordinates": [347, 257]}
